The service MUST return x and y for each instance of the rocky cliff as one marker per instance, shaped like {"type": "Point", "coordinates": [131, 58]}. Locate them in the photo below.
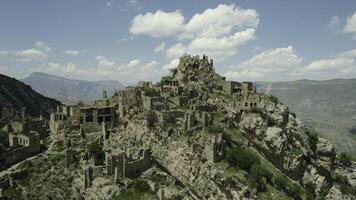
{"type": "Point", "coordinates": [70, 91]}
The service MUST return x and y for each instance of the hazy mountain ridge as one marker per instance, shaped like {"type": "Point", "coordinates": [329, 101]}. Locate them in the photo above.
{"type": "Point", "coordinates": [16, 95]}
{"type": "Point", "coordinates": [328, 106]}
{"type": "Point", "coordinates": [70, 91]}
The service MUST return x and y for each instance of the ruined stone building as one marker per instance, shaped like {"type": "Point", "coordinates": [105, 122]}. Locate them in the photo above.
{"type": "Point", "coordinates": [21, 140]}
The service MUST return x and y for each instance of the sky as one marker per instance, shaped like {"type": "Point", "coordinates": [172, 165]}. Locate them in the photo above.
{"type": "Point", "coordinates": [131, 40]}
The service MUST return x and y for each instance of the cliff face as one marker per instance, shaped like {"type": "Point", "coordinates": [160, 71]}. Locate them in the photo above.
{"type": "Point", "coordinates": [70, 91]}
{"type": "Point", "coordinates": [17, 95]}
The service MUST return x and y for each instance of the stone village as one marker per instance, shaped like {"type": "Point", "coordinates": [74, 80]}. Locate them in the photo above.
{"type": "Point", "coordinates": [170, 102]}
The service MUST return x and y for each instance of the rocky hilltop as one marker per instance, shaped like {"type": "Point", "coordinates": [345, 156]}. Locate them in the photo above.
{"type": "Point", "coordinates": [15, 95]}
{"type": "Point", "coordinates": [70, 91]}
{"type": "Point", "coordinates": [193, 135]}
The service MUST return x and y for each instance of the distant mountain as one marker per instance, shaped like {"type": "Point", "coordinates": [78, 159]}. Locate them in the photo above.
{"type": "Point", "coordinates": [16, 95]}
{"type": "Point", "coordinates": [71, 91]}
{"type": "Point", "coordinates": [328, 106]}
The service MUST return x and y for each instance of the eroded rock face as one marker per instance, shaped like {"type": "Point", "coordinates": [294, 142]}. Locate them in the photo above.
{"type": "Point", "coordinates": [335, 194]}
{"type": "Point", "coordinates": [325, 156]}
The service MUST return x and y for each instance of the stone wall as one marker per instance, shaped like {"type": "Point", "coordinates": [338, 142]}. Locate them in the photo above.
{"type": "Point", "coordinates": [18, 155]}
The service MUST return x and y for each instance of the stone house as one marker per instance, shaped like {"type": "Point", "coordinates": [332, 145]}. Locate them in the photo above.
{"type": "Point", "coordinates": [233, 87]}
{"type": "Point", "coordinates": [122, 166]}
{"type": "Point", "coordinates": [22, 146]}
{"type": "Point", "coordinates": [215, 148]}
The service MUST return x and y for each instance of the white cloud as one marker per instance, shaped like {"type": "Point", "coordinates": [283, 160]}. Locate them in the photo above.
{"type": "Point", "coordinates": [104, 62]}
{"type": "Point", "coordinates": [216, 32]}
{"type": "Point", "coordinates": [173, 64]}
{"type": "Point", "coordinates": [220, 48]}
{"type": "Point", "coordinates": [33, 54]}
{"type": "Point", "coordinates": [160, 47]}
{"type": "Point", "coordinates": [71, 52]}
{"type": "Point", "coordinates": [283, 64]}
{"type": "Point", "coordinates": [158, 24]}
{"type": "Point", "coordinates": [331, 65]}
{"type": "Point", "coordinates": [347, 54]}
{"type": "Point", "coordinates": [350, 26]}
{"type": "Point", "coordinates": [38, 53]}
{"type": "Point", "coordinates": [42, 46]}
{"type": "Point", "coordinates": [176, 50]}
{"type": "Point", "coordinates": [106, 68]}
{"type": "Point", "coordinates": [334, 24]}
{"type": "Point", "coordinates": [221, 20]}
{"type": "Point", "coordinates": [279, 60]}
{"type": "Point", "coordinates": [134, 63]}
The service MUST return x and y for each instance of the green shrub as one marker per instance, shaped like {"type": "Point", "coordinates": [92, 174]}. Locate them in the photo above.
{"type": "Point", "coordinates": [295, 191]}
{"type": "Point", "coordinates": [310, 191]}
{"type": "Point", "coordinates": [345, 159]}
{"type": "Point", "coordinates": [281, 182]}
{"type": "Point", "coordinates": [141, 185]}
{"type": "Point", "coordinates": [258, 171]}
{"type": "Point", "coordinates": [243, 159]}
{"type": "Point", "coordinates": [215, 129]}
{"type": "Point", "coordinates": [313, 141]}
{"type": "Point", "coordinates": [256, 110]}
{"type": "Point", "coordinates": [274, 99]}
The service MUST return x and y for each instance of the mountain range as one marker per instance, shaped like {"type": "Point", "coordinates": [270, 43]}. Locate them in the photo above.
{"type": "Point", "coordinates": [70, 91]}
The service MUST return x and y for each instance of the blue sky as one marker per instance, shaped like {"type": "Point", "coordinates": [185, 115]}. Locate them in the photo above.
{"type": "Point", "coordinates": [130, 40]}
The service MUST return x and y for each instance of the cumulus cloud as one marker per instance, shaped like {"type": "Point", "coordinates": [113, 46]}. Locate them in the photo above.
{"type": "Point", "coordinates": [343, 65]}
{"type": "Point", "coordinates": [158, 24]}
{"type": "Point", "coordinates": [220, 48]}
{"type": "Point", "coordinates": [283, 63]}
{"type": "Point", "coordinates": [176, 50]}
{"type": "Point", "coordinates": [42, 46]}
{"type": "Point", "coordinates": [173, 64]}
{"type": "Point", "coordinates": [216, 31]}
{"type": "Point", "coordinates": [279, 60]}
{"type": "Point", "coordinates": [221, 20]}
{"type": "Point", "coordinates": [71, 52]}
{"type": "Point", "coordinates": [31, 54]}
{"type": "Point", "coordinates": [38, 53]}
{"type": "Point", "coordinates": [160, 47]}
{"type": "Point", "coordinates": [350, 26]}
